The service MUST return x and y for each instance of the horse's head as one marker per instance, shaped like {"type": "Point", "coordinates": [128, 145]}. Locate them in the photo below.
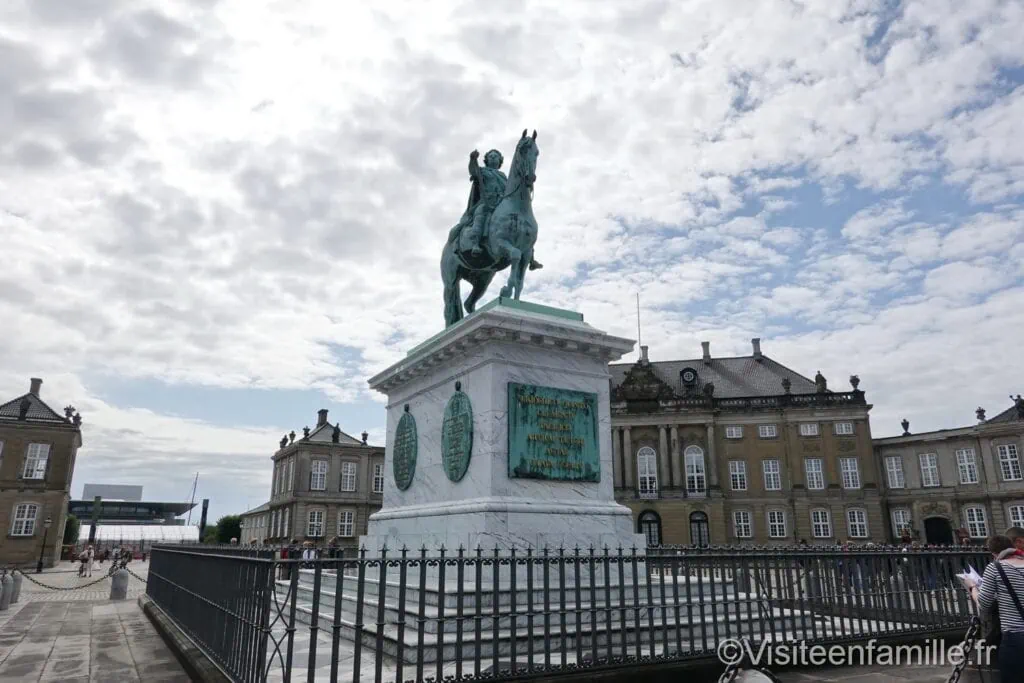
{"type": "Point", "coordinates": [526, 155]}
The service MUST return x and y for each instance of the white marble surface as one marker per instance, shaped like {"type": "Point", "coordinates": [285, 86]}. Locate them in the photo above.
{"type": "Point", "coordinates": [487, 507]}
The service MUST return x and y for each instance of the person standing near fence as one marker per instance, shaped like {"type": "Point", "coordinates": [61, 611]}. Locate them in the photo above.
{"type": "Point", "coordinates": [90, 555]}
{"type": "Point", "coordinates": [1002, 586]}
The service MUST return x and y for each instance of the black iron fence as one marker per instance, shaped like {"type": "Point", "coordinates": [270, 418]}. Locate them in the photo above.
{"type": "Point", "coordinates": [499, 614]}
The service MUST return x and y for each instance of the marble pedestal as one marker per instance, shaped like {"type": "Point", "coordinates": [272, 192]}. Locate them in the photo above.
{"type": "Point", "coordinates": [505, 341]}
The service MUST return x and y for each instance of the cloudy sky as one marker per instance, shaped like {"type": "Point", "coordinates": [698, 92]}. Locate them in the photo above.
{"type": "Point", "coordinates": [217, 217]}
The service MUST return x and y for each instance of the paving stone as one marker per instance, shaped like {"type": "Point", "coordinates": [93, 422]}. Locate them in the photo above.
{"type": "Point", "coordinates": [119, 675]}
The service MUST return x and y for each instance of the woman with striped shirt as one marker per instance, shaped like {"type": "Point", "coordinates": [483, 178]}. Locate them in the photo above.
{"type": "Point", "coordinates": [1003, 584]}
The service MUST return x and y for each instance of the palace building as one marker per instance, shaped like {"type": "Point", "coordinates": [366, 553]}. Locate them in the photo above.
{"type": "Point", "coordinates": [955, 485]}
{"type": "Point", "coordinates": [38, 447]}
{"type": "Point", "coordinates": [325, 485]}
{"type": "Point", "coordinates": [742, 450]}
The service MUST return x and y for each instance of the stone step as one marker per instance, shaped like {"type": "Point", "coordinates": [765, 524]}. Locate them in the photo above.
{"type": "Point", "coordinates": [709, 628]}
{"type": "Point", "coordinates": [687, 587]}
{"type": "Point", "coordinates": [739, 606]}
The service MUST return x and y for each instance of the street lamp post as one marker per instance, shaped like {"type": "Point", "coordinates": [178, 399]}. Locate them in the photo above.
{"type": "Point", "coordinates": [46, 532]}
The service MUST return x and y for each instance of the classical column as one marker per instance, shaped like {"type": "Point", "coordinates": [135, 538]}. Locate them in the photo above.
{"type": "Point", "coordinates": [664, 457]}
{"type": "Point", "coordinates": [617, 457]}
{"type": "Point", "coordinates": [627, 456]}
{"type": "Point", "coordinates": [712, 460]}
{"type": "Point", "coordinates": [677, 468]}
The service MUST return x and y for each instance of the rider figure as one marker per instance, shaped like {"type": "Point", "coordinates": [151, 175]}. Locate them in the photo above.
{"type": "Point", "coordinates": [490, 188]}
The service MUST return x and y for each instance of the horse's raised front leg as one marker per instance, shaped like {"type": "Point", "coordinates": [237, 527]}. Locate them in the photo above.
{"type": "Point", "coordinates": [515, 258]}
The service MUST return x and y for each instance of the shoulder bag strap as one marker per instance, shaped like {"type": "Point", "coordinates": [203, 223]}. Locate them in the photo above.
{"type": "Point", "coordinates": [1009, 587]}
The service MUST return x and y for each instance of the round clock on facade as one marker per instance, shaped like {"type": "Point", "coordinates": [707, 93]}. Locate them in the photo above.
{"type": "Point", "coordinates": [688, 375]}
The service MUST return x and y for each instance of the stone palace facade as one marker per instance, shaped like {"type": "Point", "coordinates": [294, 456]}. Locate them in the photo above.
{"type": "Point", "coordinates": [38, 448]}
{"type": "Point", "coordinates": [325, 485]}
{"type": "Point", "coordinates": [954, 485]}
{"type": "Point", "coordinates": [742, 450]}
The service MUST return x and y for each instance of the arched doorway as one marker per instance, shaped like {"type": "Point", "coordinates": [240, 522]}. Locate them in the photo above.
{"type": "Point", "coordinates": [938, 531]}
{"type": "Point", "coordinates": [700, 532]}
{"type": "Point", "coordinates": [649, 524]}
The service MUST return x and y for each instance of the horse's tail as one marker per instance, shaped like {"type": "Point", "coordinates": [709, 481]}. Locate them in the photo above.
{"type": "Point", "coordinates": [450, 278]}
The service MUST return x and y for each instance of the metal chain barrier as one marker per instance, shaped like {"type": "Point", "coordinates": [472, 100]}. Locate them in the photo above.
{"type": "Point", "coordinates": [966, 648]}
{"type": "Point", "coordinates": [61, 588]}
{"type": "Point", "coordinates": [134, 574]}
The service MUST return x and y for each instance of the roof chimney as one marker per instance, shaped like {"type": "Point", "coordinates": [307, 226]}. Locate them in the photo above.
{"type": "Point", "coordinates": [756, 342]}
{"type": "Point", "coordinates": [706, 345]}
{"type": "Point", "coordinates": [643, 353]}
{"type": "Point", "coordinates": [35, 384]}
{"type": "Point", "coordinates": [321, 417]}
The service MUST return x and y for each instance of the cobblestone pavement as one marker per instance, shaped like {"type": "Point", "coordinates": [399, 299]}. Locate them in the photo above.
{"type": "Point", "coordinates": [69, 636]}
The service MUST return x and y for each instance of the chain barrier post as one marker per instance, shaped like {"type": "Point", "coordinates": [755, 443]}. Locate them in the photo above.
{"type": "Point", "coordinates": [119, 585]}
{"type": "Point", "coordinates": [7, 583]}
{"type": "Point", "coordinates": [16, 588]}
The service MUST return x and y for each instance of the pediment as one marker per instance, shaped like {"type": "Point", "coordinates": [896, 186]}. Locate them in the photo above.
{"type": "Point", "coordinates": [641, 383]}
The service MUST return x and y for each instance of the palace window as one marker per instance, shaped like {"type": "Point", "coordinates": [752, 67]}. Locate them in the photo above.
{"type": "Point", "coordinates": [1016, 515]}
{"type": "Point", "coordinates": [348, 476]}
{"type": "Point", "coordinates": [650, 526]}
{"type": "Point", "coordinates": [813, 469]}
{"type": "Point", "coordinates": [24, 523]}
{"type": "Point", "coordinates": [647, 472]}
{"type": "Point", "coordinates": [772, 475]}
{"type": "Point", "coordinates": [738, 475]}
{"type": "Point", "coordinates": [286, 527]}
{"type": "Point", "coordinates": [850, 472]}
{"type": "Point", "coordinates": [977, 523]}
{"type": "Point", "coordinates": [929, 469]}
{"type": "Point", "coordinates": [315, 527]}
{"type": "Point", "coordinates": [346, 523]}
{"type": "Point", "coordinates": [901, 522]}
{"type": "Point", "coordinates": [291, 474]}
{"type": "Point", "coordinates": [821, 523]}
{"type": "Point", "coordinates": [967, 464]}
{"type": "Point", "coordinates": [894, 472]}
{"type": "Point", "coordinates": [36, 458]}
{"type": "Point", "coordinates": [378, 478]}
{"type": "Point", "coordinates": [696, 480]}
{"type": "Point", "coordinates": [857, 523]}
{"type": "Point", "coordinates": [767, 431]}
{"type": "Point", "coordinates": [808, 429]}
{"type": "Point", "coordinates": [776, 524]}
{"type": "Point", "coordinates": [734, 431]}
{"type": "Point", "coordinates": [318, 476]}
{"type": "Point", "coordinates": [741, 524]}
{"type": "Point", "coordinates": [1009, 462]}
{"type": "Point", "coordinates": [842, 428]}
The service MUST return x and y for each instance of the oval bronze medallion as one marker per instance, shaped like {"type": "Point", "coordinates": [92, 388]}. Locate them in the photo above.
{"type": "Point", "coordinates": [406, 443]}
{"type": "Point", "coordinates": [457, 435]}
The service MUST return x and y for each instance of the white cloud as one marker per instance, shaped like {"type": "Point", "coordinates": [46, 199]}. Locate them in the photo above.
{"type": "Point", "coordinates": [232, 194]}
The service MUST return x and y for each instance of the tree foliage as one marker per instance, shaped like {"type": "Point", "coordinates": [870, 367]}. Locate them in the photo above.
{"type": "Point", "coordinates": [71, 528]}
{"type": "Point", "coordinates": [228, 527]}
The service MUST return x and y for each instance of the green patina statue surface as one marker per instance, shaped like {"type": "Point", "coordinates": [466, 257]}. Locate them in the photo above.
{"type": "Point", "coordinates": [496, 231]}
